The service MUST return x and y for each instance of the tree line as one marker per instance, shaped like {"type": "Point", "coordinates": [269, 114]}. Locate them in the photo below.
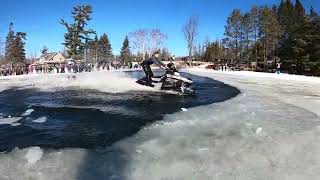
{"type": "Point", "coordinates": [285, 34]}
{"type": "Point", "coordinates": [83, 43]}
{"type": "Point", "coordinates": [80, 45]}
{"type": "Point", "coordinates": [264, 35]}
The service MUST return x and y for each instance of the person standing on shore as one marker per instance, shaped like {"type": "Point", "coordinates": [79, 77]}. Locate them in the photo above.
{"type": "Point", "coordinates": [278, 68]}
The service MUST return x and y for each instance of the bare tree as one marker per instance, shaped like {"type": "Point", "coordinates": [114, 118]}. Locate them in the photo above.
{"type": "Point", "coordinates": [139, 38]}
{"type": "Point", "coordinates": [190, 32]}
{"type": "Point", "coordinates": [156, 40]}
{"type": "Point", "coordinates": [147, 41]}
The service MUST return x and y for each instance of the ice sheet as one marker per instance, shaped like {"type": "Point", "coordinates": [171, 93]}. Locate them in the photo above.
{"type": "Point", "coordinates": [27, 112]}
{"type": "Point", "coordinates": [270, 131]}
{"type": "Point", "coordinates": [9, 120]}
{"type": "Point", "coordinates": [40, 120]}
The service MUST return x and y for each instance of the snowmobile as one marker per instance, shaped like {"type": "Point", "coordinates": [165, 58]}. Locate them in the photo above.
{"type": "Point", "coordinates": [171, 80]}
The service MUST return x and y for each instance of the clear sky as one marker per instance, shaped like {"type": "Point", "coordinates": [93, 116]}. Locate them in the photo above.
{"type": "Point", "coordinates": [40, 19]}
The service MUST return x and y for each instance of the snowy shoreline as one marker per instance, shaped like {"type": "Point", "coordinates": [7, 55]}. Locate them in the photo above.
{"type": "Point", "coordinates": [292, 89]}
{"type": "Point", "coordinates": [282, 76]}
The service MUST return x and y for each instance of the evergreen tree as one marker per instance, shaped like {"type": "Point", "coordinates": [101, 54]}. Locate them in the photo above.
{"type": "Point", "coordinates": [247, 32]}
{"type": "Point", "coordinates": [19, 51]}
{"type": "Point", "coordinates": [233, 33]}
{"type": "Point", "coordinates": [44, 50]}
{"type": "Point", "coordinates": [270, 31]}
{"type": "Point", "coordinates": [214, 52]}
{"type": "Point", "coordinates": [286, 15]}
{"type": "Point", "coordinates": [91, 47]}
{"type": "Point", "coordinates": [125, 54]}
{"type": "Point", "coordinates": [10, 39]}
{"type": "Point", "coordinates": [77, 35]}
{"type": "Point", "coordinates": [299, 10]}
{"type": "Point", "coordinates": [14, 50]}
{"type": "Point", "coordinates": [255, 20]}
{"type": "Point", "coordinates": [95, 49]}
{"type": "Point", "coordinates": [286, 32]}
{"type": "Point", "coordinates": [104, 49]}
{"type": "Point", "coordinates": [300, 50]}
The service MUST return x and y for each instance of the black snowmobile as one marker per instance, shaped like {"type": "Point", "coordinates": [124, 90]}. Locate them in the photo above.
{"type": "Point", "coordinates": [171, 80]}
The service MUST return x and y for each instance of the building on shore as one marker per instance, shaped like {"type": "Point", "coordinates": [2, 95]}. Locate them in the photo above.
{"type": "Point", "coordinates": [49, 62]}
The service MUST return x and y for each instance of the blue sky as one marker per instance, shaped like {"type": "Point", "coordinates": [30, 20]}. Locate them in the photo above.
{"type": "Point", "coordinates": [40, 19]}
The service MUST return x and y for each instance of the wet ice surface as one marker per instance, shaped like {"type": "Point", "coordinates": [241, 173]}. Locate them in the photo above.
{"type": "Point", "coordinates": [269, 131]}
{"type": "Point", "coordinates": [70, 115]}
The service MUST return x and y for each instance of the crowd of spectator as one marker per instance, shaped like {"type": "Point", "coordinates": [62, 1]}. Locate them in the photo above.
{"type": "Point", "coordinates": [71, 67]}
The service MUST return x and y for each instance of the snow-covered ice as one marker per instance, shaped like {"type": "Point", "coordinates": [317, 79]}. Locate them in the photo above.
{"type": "Point", "coordinates": [9, 120]}
{"type": "Point", "coordinates": [302, 91]}
{"type": "Point", "coordinates": [34, 154]}
{"type": "Point", "coordinates": [40, 120]}
{"type": "Point", "coordinates": [269, 131]}
{"type": "Point", "coordinates": [27, 112]}
{"type": "Point", "coordinates": [15, 124]}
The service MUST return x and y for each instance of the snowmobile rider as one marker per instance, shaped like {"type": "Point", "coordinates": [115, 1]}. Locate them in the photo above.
{"type": "Point", "coordinates": [147, 69]}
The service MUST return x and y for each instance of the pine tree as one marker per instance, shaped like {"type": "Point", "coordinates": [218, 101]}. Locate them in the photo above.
{"type": "Point", "coordinates": [247, 33]}
{"type": "Point", "coordinates": [14, 50]}
{"type": "Point", "coordinates": [255, 20]}
{"type": "Point", "coordinates": [19, 51]}
{"type": "Point", "coordinates": [95, 49]}
{"type": "Point", "coordinates": [270, 31]}
{"type": "Point", "coordinates": [44, 50]}
{"type": "Point", "coordinates": [265, 33]}
{"type": "Point", "coordinates": [104, 49]}
{"type": "Point", "coordinates": [299, 9]}
{"type": "Point", "coordinates": [9, 49]}
{"type": "Point", "coordinates": [300, 51]}
{"type": "Point", "coordinates": [214, 52]}
{"type": "Point", "coordinates": [233, 33]}
{"type": "Point", "coordinates": [125, 54]}
{"type": "Point", "coordinates": [286, 15]}
{"type": "Point", "coordinates": [77, 35]}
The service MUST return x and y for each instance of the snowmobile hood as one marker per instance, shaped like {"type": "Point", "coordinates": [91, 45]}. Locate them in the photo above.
{"type": "Point", "coordinates": [179, 77]}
